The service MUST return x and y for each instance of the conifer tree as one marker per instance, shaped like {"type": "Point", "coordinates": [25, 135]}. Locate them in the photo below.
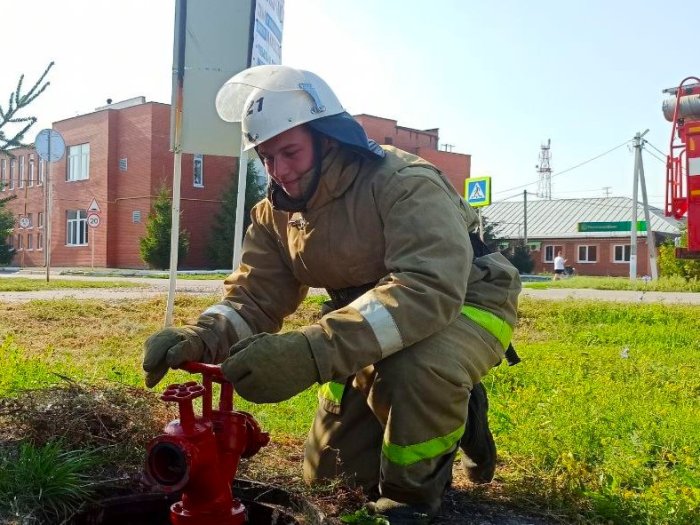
{"type": "Point", "coordinates": [10, 115]}
{"type": "Point", "coordinates": [13, 128]}
{"type": "Point", "coordinates": [7, 224]}
{"type": "Point", "coordinates": [155, 245]}
{"type": "Point", "coordinates": [221, 240]}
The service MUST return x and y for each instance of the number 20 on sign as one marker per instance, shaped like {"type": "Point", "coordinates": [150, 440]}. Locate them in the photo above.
{"type": "Point", "coordinates": [93, 220]}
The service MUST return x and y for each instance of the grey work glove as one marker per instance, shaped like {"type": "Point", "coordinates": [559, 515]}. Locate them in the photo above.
{"type": "Point", "coordinates": [268, 368]}
{"type": "Point", "coordinates": [169, 348]}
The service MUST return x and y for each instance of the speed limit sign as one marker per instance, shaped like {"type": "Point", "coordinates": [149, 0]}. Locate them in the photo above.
{"type": "Point", "coordinates": [93, 220]}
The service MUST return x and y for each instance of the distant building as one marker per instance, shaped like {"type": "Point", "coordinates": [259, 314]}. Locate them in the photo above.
{"type": "Point", "coordinates": [554, 225]}
{"type": "Point", "coordinates": [119, 157]}
{"type": "Point", "coordinates": [424, 143]}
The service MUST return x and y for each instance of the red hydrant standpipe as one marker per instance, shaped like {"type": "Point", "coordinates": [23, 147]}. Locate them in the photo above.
{"type": "Point", "coordinates": [200, 455]}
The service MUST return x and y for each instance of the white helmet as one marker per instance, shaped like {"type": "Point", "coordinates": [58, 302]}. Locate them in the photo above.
{"type": "Point", "coordinates": [268, 100]}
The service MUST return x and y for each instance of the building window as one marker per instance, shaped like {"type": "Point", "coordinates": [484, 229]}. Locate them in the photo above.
{"type": "Point", "coordinates": [76, 228]}
{"type": "Point", "coordinates": [587, 254]}
{"type": "Point", "coordinates": [42, 172]}
{"type": "Point", "coordinates": [136, 216]}
{"type": "Point", "coordinates": [20, 242]}
{"type": "Point", "coordinates": [31, 170]}
{"type": "Point", "coordinates": [20, 180]}
{"type": "Point", "coordinates": [3, 174]}
{"type": "Point", "coordinates": [40, 219]}
{"type": "Point", "coordinates": [123, 164]}
{"type": "Point", "coordinates": [30, 242]}
{"type": "Point", "coordinates": [621, 253]}
{"type": "Point", "coordinates": [198, 176]}
{"type": "Point", "coordinates": [40, 241]}
{"type": "Point", "coordinates": [11, 184]}
{"type": "Point", "coordinates": [30, 220]}
{"type": "Point", "coordinates": [550, 252]}
{"type": "Point", "coordinates": [78, 162]}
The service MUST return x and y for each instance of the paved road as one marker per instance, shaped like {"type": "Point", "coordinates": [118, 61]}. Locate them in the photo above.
{"type": "Point", "coordinates": [150, 287]}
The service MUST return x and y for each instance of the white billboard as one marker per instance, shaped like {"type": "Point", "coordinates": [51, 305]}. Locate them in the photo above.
{"type": "Point", "coordinates": [214, 40]}
{"type": "Point", "coordinates": [267, 33]}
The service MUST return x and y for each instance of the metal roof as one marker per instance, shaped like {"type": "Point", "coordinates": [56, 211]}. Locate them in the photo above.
{"type": "Point", "coordinates": [550, 219]}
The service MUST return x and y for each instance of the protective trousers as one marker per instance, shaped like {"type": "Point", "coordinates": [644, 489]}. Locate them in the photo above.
{"type": "Point", "coordinates": [396, 424]}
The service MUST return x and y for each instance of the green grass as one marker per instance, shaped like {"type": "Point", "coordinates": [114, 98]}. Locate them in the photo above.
{"type": "Point", "coordinates": [600, 423]}
{"type": "Point", "coordinates": [663, 284]}
{"type": "Point", "coordinates": [24, 284]}
{"type": "Point", "coordinates": [46, 483]}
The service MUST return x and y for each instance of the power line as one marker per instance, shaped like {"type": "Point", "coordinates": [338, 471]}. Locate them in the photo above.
{"type": "Point", "coordinates": [662, 161]}
{"type": "Point", "coordinates": [568, 169]}
{"type": "Point", "coordinates": [657, 149]}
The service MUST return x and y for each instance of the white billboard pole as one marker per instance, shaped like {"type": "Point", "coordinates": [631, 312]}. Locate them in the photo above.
{"type": "Point", "coordinates": [240, 205]}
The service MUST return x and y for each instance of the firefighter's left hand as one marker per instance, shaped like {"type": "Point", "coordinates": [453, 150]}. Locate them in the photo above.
{"type": "Point", "coordinates": [268, 368]}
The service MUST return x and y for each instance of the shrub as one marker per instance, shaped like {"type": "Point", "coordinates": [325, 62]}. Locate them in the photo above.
{"type": "Point", "coordinates": [155, 245]}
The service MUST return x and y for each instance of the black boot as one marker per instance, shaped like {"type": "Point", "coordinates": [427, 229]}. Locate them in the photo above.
{"type": "Point", "coordinates": [478, 447]}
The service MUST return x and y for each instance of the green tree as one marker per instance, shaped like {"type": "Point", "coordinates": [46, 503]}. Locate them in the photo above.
{"type": "Point", "coordinates": [670, 265]}
{"type": "Point", "coordinates": [520, 257]}
{"type": "Point", "coordinates": [10, 115]}
{"type": "Point", "coordinates": [155, 245]}
{"type": "Point", "coordinates": [221, 241]}
{"type": "Point", "coordinates": [7, 223]}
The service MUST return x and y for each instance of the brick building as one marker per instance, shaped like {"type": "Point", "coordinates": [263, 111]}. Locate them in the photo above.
{"type": "Point", "coordinates": [118, 156]}
{"type": "Point", "coordinates": [554, 225]}
{"type": "Point", "coordinates": [424, 143]}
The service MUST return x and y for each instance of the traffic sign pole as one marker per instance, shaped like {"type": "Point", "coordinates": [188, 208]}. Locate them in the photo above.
{"type": "Point", "coordinates": [50, 147]}
{"type": "Point", "coordinates": [47, 206]}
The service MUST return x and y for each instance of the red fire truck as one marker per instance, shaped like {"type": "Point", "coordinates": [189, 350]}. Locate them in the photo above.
{"type": "Point", "coordinates": [682, 109]}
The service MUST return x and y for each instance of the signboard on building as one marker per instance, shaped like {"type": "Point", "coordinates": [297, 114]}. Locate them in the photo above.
{"type": "Point", "coordinates": [214, 40]}
{"type": "Point", "coordinates": [613, 226]}
{"type": "Point", "coordinates": [267, 33]}
{"type": "Point", "coordinates": [477, 191]}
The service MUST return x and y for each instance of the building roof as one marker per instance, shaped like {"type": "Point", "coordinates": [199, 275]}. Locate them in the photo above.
{"type": "Point", "coordinates": [553, 219]}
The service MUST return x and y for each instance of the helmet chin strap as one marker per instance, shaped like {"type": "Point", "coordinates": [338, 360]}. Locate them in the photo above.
{"type": "Point", "coordinates": [281, 200]}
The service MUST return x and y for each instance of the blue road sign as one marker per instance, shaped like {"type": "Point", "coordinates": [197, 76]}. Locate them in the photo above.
{"type": "Point", "coordinates": [477, 191]}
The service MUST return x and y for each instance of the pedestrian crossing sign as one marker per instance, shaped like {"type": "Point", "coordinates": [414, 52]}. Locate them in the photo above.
{"type": "Point", "coordinates": [477, 191]}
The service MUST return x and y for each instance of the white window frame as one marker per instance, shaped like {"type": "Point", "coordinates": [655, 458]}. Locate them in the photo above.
{"type": "Point", "coordinates": [625, 248]}
{"type": "Point", "coordinates": [30, 242]}
{"type": "Point", "coordinates": [40, 240]}
{"type": "Point", "coordinates": [78, 165]}
{"type": "Point", "coordinates": [198, 168]}
{"type": "Point", "coordinates": [554, 249]}
{"type": "Point", "coordinates": [76, 228]}
{"type": "Point", "coordinates": [3, 174]}
{"type": "Point", "coordinates": [20, 179]}
{"type": "Point", "coordinates": [32, 170]}
{"type": "Point", "coordinates": [11, 180]}
{"type": "Point", "coordinates": [40, 219]}
{"type": "Point", "coordinates": [20, 242]}
{"type": "Point", "coordinates": [42, 172]}
{"type": "Point", "coordinates": [587, 248]}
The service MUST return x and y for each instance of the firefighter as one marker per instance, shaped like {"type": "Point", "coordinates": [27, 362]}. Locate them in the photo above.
{"type": "Point", "coordinates": [416, 320]}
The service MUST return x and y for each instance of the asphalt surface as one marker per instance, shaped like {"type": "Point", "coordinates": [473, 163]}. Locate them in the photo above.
{"type": "Point", "coordinates": [153, 288]}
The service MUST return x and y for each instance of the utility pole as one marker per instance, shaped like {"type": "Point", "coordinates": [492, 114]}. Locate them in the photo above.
{"type": "Point", "coordinates": [525, 217]}
{"type": "Point", "coordinates": [607, 189]}
{"type": "Point", "coordinates": [639, 179]}
{"type": "Point", "coordinates": [544, 186]}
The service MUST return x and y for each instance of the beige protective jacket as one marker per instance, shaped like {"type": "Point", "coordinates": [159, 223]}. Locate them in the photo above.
{"type": "Point", "coordinates": [397, 222]}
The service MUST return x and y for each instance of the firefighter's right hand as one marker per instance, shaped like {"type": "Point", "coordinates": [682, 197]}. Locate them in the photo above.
{"type": "Point", "coordinates": [169, 348]}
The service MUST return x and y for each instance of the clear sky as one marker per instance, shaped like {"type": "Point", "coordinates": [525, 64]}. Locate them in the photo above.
{"type": "Point", "coordinates": [498, 78]}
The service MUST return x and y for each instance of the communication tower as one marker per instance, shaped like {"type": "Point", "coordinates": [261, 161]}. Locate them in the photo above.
{"type": "Point", "coordinates": [544, 184]}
